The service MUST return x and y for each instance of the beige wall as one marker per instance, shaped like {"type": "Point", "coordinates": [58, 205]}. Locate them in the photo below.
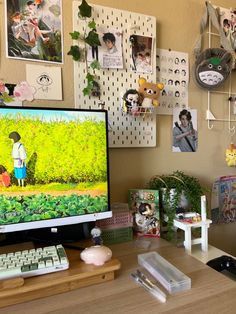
{"type": "Point", "coordinates": [177, 28]}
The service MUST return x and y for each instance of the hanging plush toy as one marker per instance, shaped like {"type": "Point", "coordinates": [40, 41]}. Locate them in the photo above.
{"type": "Point", "coordinates": [231, 156]}
{"type": "Point", "coordinates": [150, 93]}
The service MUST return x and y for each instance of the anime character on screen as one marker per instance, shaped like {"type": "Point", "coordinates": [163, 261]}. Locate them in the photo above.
{"type": "Point", "coordinates": [19, 157]}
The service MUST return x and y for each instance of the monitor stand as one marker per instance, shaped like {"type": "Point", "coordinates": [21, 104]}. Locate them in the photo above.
{"type": "Point", "coordinates": [64, 235]}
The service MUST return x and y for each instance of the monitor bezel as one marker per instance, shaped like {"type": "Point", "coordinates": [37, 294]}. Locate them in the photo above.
{"type": "Point", "coordinates": [71, 220]}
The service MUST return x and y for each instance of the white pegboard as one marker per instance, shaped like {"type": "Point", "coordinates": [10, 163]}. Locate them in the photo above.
{"type": "Point", "coordinates": [126, 131]}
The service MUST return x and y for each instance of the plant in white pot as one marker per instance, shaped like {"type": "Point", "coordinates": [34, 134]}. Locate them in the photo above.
{"type": "Point", "coordinates": [178, 191]}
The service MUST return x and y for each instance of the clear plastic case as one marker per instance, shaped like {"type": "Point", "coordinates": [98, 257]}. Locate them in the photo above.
{"type": "Point", "coordinates": [162, 270]}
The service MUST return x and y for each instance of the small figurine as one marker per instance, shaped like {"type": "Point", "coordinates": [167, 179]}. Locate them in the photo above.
{"type": "Point", "coordinates": [96, 235]}
{"type": "Point", "coordinates": [96, 91]}
{"type": "Point", "coordinates": [150, 92]}
{"type": "Point", "coordinates": [131, 102]}
{"type": "Point", "coordinates": [97, 254]}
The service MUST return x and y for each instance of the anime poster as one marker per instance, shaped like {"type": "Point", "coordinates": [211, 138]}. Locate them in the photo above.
{"type": "Point", "coordinates": [228, 24]}
{"type": "Point", "coordinates": [142, 53]}
{"type": "Point", "coordinates": [46, 81]}
{"type": "Point", "coordinates": [144, 205]}
{"type": "Point", "coordinates": [223, 200]}
{"type": "Point", "coordinates": [173, 72]}
{"type": "Point", "coordinates": [109, 54]}
{"type": "Point", "coordinates": [34, 30]}
{"type": "Point", "coordinates": [184, 132]}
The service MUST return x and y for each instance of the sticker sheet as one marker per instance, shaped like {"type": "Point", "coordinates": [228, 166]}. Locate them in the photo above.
{"type": "Point", "coordinates": [173, 72]}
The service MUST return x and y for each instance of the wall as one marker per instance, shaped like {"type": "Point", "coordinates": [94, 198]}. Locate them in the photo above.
{"type": "Point", "coordinates": [177, 28]}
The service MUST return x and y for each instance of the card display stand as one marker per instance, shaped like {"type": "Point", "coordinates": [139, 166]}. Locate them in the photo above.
{"type": "Point", "coordinates": [78, 275]}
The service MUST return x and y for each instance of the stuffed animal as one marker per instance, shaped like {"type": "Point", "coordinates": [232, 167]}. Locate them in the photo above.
{"type": "Point", "coordinates": [212, 67]}
{"type": "Point", "coordinates": [150, 92]}
{"type": "Point", "coordinates": [231, 156]}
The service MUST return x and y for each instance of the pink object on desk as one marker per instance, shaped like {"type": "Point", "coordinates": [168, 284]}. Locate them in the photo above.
{"type": "Point", "coordinates": [97, 255]}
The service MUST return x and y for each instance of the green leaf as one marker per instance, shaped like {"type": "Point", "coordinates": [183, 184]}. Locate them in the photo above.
{"type": "Point", "coordinates": [92, 39]}
{"type": "Point", "coordinates": [92, 24]}
{"type": "Point", "coordinates": [95, 65]}
{"type": "Point", "coordinates": [85, 10]}
{"type": "Point", "coordinates": [86, 91]}
{"type": "Point", "coordinates": [75, 53]}
{"type": "Point", "coordinates": [75, 35]}
{"type": "Point", "coordinates": [90, 77]}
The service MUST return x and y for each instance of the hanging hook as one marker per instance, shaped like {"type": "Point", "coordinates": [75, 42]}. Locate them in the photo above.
{"type": "Point", "coordinates": [231, 129]}
{"type": "Point", "coordinates": [210, 127]}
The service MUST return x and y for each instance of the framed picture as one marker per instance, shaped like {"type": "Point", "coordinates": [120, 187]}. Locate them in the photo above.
{"type": "Point", "coordinates": [34, 30]}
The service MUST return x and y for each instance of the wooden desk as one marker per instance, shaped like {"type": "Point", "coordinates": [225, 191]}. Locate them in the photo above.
{"type": "Point", "coordinates": [211, 291]}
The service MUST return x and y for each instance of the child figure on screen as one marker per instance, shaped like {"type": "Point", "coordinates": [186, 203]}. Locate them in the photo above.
{"type": "Point", "coordinates": [19, 157]}
{"type": "Point", "coordinates": [5, 179]}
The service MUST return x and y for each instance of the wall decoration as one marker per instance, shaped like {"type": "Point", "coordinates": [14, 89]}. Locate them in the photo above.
{"type": "Point", "coordinates": [23, 91]}
{"type": "Point", "coordinates": [185, 136]}
{"type": "Point", "coordinates": [34, 30]}
{"type": "Point", "coordinates": [173, 72]}
{"type": "Point", "coordinates": [109, 54]}
{"type": "Point", "coordinates": [7, 95]}
{"type": "Point", "coordinates": [228, 24]}
{"type": "Point", "coordinates": [142, 53]}
{"type": "Point", "coordinates": [223, 200]}
{"type": "Point", "coordinates": [46, 81]}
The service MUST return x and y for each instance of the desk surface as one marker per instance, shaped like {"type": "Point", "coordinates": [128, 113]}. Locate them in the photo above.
{"type": "Point", "coordinates": [211, 291]}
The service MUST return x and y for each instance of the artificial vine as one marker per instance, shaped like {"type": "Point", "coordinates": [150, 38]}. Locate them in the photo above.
{"type": "Point", "coordinates": [90, 38]}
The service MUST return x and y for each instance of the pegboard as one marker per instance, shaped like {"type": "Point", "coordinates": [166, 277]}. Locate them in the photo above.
{"type": "Point", "coordinates": [125, 130]}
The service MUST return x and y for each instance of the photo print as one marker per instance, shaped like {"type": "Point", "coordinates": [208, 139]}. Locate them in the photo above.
{"type": "Point", "coordinates": [142, 53]}
{"type": "Point", "coordinates": [184, 132]}
{"type": "Point", "coordinates": [34, 30]}
{"type": "Point", "coordinates": [109, 54]}
{"type": "Point", "coordinates": [228, 24]}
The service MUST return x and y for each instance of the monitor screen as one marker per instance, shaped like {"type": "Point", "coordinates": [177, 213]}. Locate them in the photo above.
{"type": "Point", "coordinates": [53, 167]}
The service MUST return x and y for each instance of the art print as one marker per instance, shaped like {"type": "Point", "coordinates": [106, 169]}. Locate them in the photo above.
{"type": "Point", "coordinates": [46, 81]}
{"type": "Point", "coordinates": [34, 30]}
{"type": "Point", "coordinates": [223, 200]}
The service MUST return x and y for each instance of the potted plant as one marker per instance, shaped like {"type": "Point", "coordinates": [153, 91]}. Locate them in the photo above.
{"type": "Point", "coordinates": [178, 192]}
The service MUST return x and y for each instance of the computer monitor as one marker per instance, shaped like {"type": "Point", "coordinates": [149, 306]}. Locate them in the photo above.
{"type": "Point", "coordinates": [53, 167]}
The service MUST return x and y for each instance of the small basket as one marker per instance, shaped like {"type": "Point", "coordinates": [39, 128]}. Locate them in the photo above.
{"type": "Point", "coordinates": [111, 236]}
{"type": "Point", "coordinates": [121, 218]}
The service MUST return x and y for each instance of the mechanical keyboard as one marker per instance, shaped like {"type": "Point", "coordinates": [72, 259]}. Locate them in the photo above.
{"type": "Point", "coordinates": [33, 262]}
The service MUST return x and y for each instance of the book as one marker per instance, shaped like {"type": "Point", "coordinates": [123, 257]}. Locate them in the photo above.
{"type": "Point", "coordinates": [144, 205]}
